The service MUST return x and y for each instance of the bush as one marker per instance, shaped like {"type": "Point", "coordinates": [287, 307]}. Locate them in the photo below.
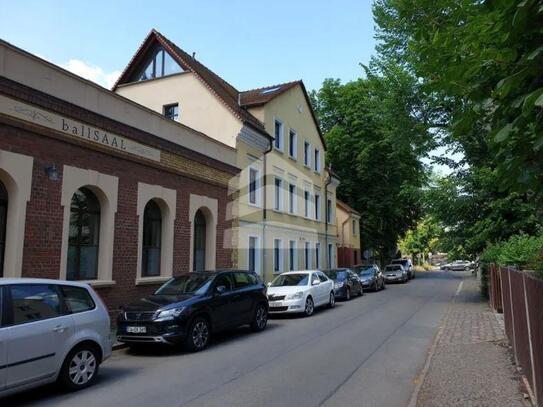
{"type": "Point", "coordinates": [523, 251]}
{"type": "Point", "coordinates": [427, 266]}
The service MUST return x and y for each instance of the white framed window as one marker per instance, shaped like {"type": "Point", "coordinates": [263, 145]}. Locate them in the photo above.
{"type": "Point", "coordinates": [306, 203]}
{"type": "Point", "coordinates": [331, 255]}
{"type": "Point", "coordinates": [254, 186]}
{"type": "Point", "coordinates": [277, 256]}
{"type": "Point", "coordinates": [292, 144]}
{"type": "Point", "coordinates": [307, 153]}
{"type": "Point", "coordinates": [307, 255]}
{"type": "Point", "coordinates": [292, 258]}
{"type": "Point", "coordinates": [354, 227]}
{"type": "Point", "coordinates": [317, 207]}
{"type": "Point", "coordinates": [292, 198]}
{"type": "Point", "coordinates": [317, 161]}
{"type": "Point", "coordinates": [172, 111]}
{"type": "Point", "coordinates": [253, 260]}
{"type": "Point", "coordinates": [317, 256]}
{"type": "Point", "coordinates": [329, 211]}
{"type": "Point", "coordinates": [278, 133]}
{"type": "Point", "coordinates": [278, 194]}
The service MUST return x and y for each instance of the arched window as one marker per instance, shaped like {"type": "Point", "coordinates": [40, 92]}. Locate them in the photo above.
{"type": "Point", "coordinates": [84, 236]}
{"type": "Point", "coordinates": [3, 220]}
{"type": "Point", "coordinates": [199, 255]}
{"type": "Point", "coordinates": [152, 233]}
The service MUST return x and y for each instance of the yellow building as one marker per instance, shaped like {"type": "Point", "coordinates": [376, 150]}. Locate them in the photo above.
{"type": "Point", "coordinates": [284, 215]}
{"type": "Point", "coordinates": [348, 235]}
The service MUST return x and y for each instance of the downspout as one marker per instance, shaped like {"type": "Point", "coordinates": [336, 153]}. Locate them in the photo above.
{"type": "Point", "coordinates": [264, 203]}
{"type": "Point", "coordinates": [328, 182]}
{"type": "Point", "coordinates": [343, 230]}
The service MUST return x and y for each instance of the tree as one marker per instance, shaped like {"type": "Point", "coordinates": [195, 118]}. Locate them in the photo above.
{"type": "Point", "coordinates": [422, 240]}
{"type": "Point", "coordinates": [375, 139]}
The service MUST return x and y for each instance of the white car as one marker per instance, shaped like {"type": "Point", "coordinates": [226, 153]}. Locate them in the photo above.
{"type": "Point", "coordinates": [50, 330]}
{"type": "Point", "coordinates": [300, 292]}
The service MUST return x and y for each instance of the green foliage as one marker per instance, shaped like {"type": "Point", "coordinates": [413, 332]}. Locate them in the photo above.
{"type": "Point", "coordinates": [374, 142]}
{"type": "Point", "coordinates": [423, 239]}
{"type": "Point", "coordinates": [482, 60]}
{"type": "Point", "coordinates": [521, 250]}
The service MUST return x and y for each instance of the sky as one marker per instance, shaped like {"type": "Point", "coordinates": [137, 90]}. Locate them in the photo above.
{"type": "Point", "coordinates": [248, 43]}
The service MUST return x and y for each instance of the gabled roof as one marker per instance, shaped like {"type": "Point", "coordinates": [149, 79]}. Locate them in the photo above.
{"type": "Point", "coordinates": [346, 207]}
{"type": "Point", "coordinates": [261, 96]}
{"type": "Point", "coordinates": [225, 92]}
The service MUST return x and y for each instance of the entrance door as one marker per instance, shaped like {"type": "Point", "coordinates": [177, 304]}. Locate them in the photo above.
{"type": "Point", "coordinates": [199, 254]}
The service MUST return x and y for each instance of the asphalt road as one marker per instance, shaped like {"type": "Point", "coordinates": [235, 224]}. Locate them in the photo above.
{"type": "Point", "coordinates": [366, 352]}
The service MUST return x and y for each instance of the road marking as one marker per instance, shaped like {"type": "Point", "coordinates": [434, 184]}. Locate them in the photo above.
{"type": "Point", "coordinates": [459, 288]}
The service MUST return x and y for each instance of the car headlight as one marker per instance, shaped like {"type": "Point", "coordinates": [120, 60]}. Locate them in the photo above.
{"type": "Point", "coordinates": [295, 296]}
{"type": "Point", "coordinates": [169, 313]}
{"type": "Point", "coordinates": [339, 284]}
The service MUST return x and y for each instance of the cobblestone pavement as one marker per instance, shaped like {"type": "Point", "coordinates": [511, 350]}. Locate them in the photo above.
{"type": "Point", "coordinates": [472, 365]}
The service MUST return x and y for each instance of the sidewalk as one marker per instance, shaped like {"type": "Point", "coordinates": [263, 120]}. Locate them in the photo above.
{"type": "Point", "coordinates": [471, 364]}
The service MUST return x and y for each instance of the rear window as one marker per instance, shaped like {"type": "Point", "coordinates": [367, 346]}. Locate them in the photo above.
{"type": "Point", "coordinates": [34, 302]}
{"type": "Point", "coordinates": [393, 268]}
{"type": "Point", "coordinates": [77, 299]}
{"type": "Point", "coordinates": [244, 280]}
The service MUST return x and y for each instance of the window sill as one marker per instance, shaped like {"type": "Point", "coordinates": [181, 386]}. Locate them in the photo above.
{"type": "Point", "coordinates": [293, 158]}
{"type": "Point", "coordinates": [279, 150]}
{"type": "Point", "coordinates": [151, 280]}
{"type": "Point", "coordinates": [254, 205]}
{"type": "Point", "coordinates": [99, 283]}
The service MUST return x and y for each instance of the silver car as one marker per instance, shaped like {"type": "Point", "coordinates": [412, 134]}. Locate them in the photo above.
{"type": "Point", "coordinates": [395, 273]}
{"type": "Point", "coordinates": [50, 330]}
{"type": "Point", "coordinates": [458, 265]}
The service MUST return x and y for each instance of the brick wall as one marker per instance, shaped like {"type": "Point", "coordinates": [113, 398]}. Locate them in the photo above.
{"type": "Point", "coordinates": [43, 235]}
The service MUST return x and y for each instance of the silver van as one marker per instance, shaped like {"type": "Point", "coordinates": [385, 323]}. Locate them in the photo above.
{"type": "Point", "coordinates": [50, 330]}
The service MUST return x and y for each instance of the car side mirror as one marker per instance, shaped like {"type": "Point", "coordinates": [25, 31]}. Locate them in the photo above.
{"type": "Point", "coordinates": [269, 284]}
{"type": "Point", "coordinates": [220, 289]}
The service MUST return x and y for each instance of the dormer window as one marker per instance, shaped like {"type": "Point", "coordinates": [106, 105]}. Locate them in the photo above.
{"type": "Point", "coordinates": [172, 112]}
{"type": "Point", "coordinates": [159, 64]}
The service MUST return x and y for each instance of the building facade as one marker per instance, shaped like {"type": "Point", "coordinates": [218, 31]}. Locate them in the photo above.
{"type": "Point", "coordinates": [348, 235]}
{"type": "Point", "coordinates": [284, 197]}
{"type": "Point", "coordinates": [95, 187]}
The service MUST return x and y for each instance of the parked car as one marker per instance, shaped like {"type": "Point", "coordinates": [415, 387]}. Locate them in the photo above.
{"type": "Point", "coordinates": [407, 265]}
{"type": "Point", "coordinates": [300, 292]}
{"type": "Point", "coordinates": [189, 308]}
{"type": "Point", "coordinates": [395, 273]}
{"type": "Point", "coordinates": [458, 265]}
{"type": "Point", "coordinates": [50, 330]}
{"type": "Point", "coordinates": [371, 277]}
{"type": "Point", "coordinates": [346, 283]}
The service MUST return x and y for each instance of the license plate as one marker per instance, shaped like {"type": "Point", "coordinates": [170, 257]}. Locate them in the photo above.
{"type": "Point", "coordinates": [136, 329]}
{"type": "Point", "coordinates": [276, 304]}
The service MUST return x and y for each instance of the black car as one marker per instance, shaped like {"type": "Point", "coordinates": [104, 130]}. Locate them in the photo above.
{"type": "Point", "coordinates": [346, 283]}
{"type": "Point", "coordinates": [407, 265]}
{"type": "Point", "coordinates": [371, 277]}
{"type": "Point", "coordinates": [187, 309]}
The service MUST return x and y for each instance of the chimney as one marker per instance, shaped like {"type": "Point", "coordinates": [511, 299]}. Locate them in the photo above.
{"type": "Point", "coordinates": [193, 55]}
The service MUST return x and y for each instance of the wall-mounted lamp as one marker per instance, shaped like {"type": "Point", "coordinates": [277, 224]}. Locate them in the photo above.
{"type": "Point", "coordinates": [52, 172]}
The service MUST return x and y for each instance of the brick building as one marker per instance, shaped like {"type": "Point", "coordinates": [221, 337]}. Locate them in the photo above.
{"type": "Point", "coordinates": [95, 187]}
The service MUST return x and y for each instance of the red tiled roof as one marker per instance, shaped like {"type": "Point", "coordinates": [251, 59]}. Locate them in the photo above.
{"type": "Point", "coordinates": [261, 96]}
{"type": "Point", "coordinates": [225, 92]}
{"type": "Point", "coordinates": [346, 207]}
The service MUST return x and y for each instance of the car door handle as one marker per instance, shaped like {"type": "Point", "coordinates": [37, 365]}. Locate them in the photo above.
{"type": "Point", "coordinates": [59, 328]}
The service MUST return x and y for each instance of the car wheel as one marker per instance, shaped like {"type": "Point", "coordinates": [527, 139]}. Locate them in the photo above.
{"type": "Point", "coordinates": [80, 368]}
{"type": "Point", "coordinates": [198, 335]}
{"type": "Point", "coordinates": [332, 300]}
{"type": "Point", "coordinates": [260, 319]}
{"type": "Point", "coordinates": [466, 268]}
{"type": "Point", "coordinates": [309, 307]}
{"type": "Point", "coordinates": [348, 294]}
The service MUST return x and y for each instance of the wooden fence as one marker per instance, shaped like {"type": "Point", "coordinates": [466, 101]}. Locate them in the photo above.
{"type": "Point", "coordinates": [520, 296]}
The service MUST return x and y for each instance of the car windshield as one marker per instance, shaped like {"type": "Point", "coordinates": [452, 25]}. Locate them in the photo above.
{"type": "Point", "coordinates": [193, 284]}
{"type": "Point", "coordinates": [393, 268]}
{"type": "Point", "coordinates": [402, 262]}
{"type": "Point", "coordinates": [286, 280]}
{"type": "Point", "coordinates": [338, 275]}
{"type": "Point", "coordinates": [361, 269]}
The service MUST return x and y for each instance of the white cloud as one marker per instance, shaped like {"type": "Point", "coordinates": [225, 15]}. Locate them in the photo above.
{"type": "Point", "coordinates": [92, 72]}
